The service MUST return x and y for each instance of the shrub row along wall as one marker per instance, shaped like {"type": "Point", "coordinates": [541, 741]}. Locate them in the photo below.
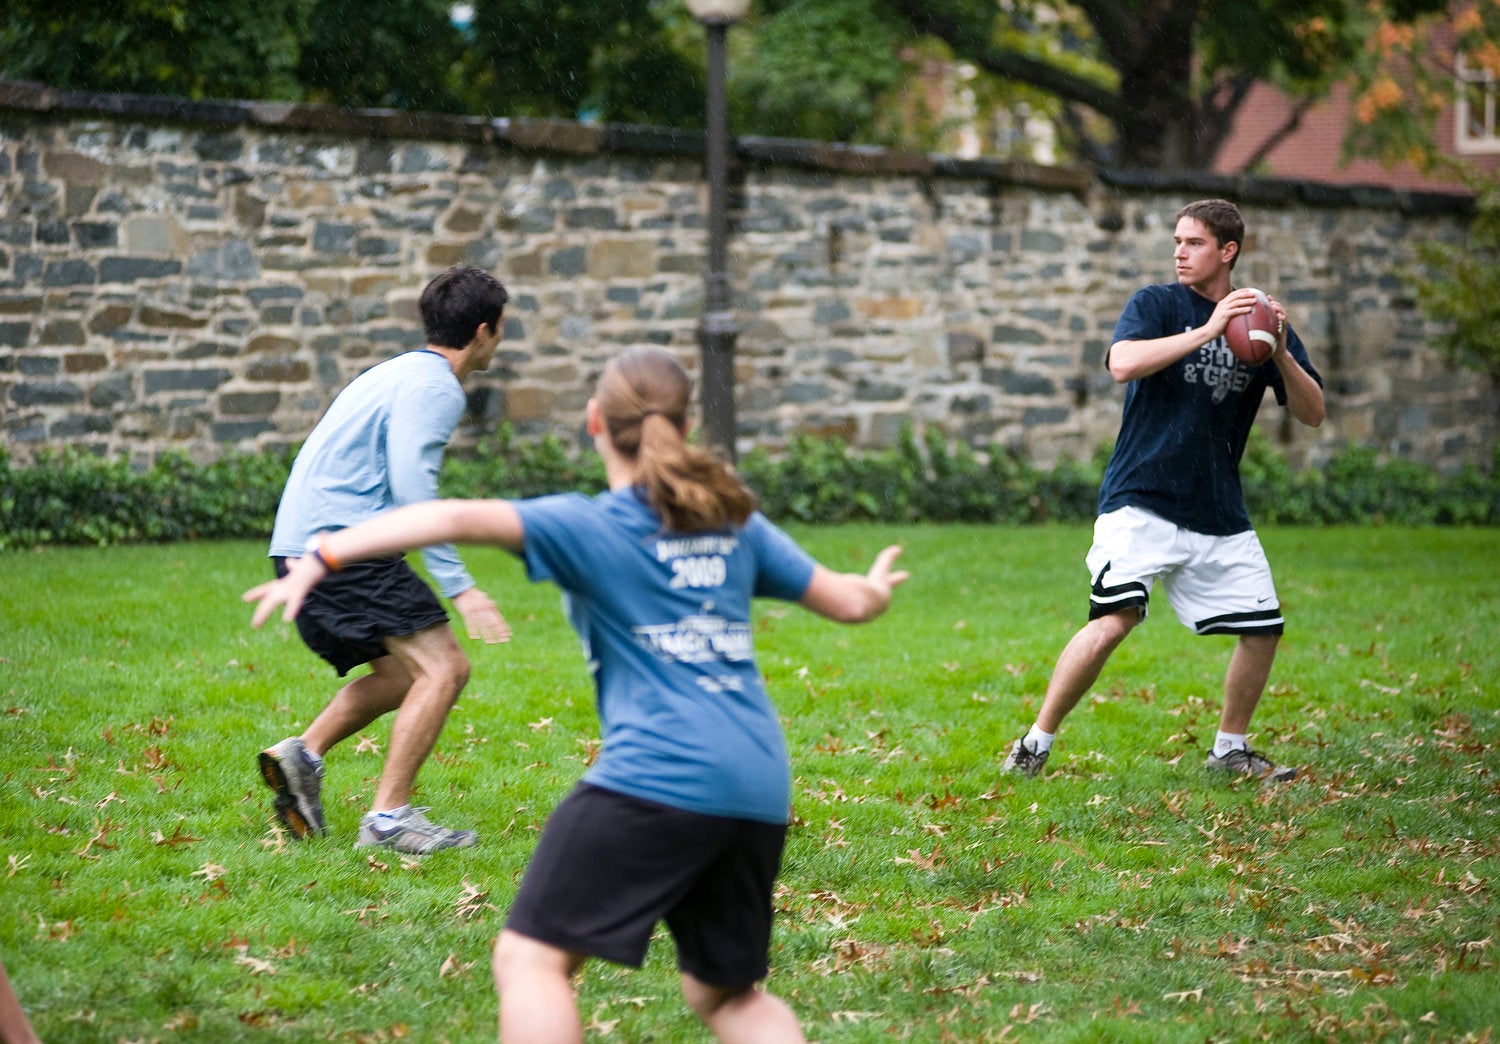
{"type": "Point", "coordinates": [204, 277]}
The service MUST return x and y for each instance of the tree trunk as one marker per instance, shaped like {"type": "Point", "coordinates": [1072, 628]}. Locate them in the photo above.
{"type": "Point", "coordinates": [1160, 127]}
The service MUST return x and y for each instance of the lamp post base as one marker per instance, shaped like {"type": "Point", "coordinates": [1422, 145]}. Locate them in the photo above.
{"type": "Point", "coordinates": [716, 337]}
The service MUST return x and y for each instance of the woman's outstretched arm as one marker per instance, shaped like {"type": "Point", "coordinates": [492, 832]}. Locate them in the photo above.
{"type": "Point", "coordinates": [854, 597]}
{"type": "Point", "coordinates": [394, 532]}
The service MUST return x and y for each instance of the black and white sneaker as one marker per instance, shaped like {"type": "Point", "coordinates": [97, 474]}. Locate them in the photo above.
{"type": "Point", "coordinates": [1243, 761]}
{"type": "Point", "coordinates": [1023, 760]}
{"type": "Point", "coordinates": [297, 780]}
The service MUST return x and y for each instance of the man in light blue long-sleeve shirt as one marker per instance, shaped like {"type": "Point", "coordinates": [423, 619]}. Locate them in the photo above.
{"type": "Point", "coordinates": [379, 446]}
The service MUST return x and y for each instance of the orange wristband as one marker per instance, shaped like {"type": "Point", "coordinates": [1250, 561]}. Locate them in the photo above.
{"type": "Point", "coordinates": [325, 559]}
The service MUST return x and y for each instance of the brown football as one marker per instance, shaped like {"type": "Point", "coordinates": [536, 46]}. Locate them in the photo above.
{"type": "Point", "coordinates": [1252, 336]}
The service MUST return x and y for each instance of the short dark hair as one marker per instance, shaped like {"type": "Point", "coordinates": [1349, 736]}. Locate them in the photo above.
{"type": "Point", "coordinates": [1220, 217]}
{"type": "Point", "coordinates": [455, 304]}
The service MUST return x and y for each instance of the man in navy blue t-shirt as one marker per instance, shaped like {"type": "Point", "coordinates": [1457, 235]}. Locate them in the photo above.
{"type": "Point", "coordinates": [1170, 507]}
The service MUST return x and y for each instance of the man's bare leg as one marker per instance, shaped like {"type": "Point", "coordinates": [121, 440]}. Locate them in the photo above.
{"type": "Point", "coordinates": [1245, 680]}
{"type": "Point", "coordinates": [1080, 663]}
{"type": "Point", "coordinates": [536, 994]}
{"type": "Point", "coordinates": [748, 1015]}
{"type": "Point", "coordinates": [438, 670]}
{"type": "Point", "coordinates": [357, 704]}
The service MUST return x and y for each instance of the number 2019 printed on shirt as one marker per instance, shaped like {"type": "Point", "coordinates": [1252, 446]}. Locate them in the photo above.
{"type": "Point", "coordinates": [698, 571]}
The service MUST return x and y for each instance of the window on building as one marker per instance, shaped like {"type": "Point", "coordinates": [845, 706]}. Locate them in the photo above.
{"type": "Point", "coordinates": [1478, 100]}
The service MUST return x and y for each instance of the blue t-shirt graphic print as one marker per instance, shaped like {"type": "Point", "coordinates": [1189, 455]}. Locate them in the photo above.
{"type": "Point", "coordinates": [665, 623]}
{"type": "Point", "coordinates": [1185, 427]}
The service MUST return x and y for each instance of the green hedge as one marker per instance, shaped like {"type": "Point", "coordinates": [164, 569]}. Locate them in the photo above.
{"type": "Point", "coordinates": [919, 479]}
{"type": "Point", "coordinates": [70, 497]}
{"type": "Point", "coordinates": [1357, 487]}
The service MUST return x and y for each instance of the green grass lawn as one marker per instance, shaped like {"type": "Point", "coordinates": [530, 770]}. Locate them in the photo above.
{"type": "Point", "coordinates": [147, 896]}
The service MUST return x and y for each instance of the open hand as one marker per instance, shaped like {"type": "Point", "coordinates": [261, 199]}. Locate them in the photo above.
{"type": "Point", "coordinates": [302, 576]}
{"type": "Point", "coordinates": [481, 616]}
{"type": "Point", "coordinates": [880, 572]}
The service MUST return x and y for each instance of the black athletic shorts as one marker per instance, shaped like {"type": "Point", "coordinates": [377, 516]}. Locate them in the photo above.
{"type": "Point", "coordinates": [348, 616]}
{"type": "Point", "coordinates": [609, 866]}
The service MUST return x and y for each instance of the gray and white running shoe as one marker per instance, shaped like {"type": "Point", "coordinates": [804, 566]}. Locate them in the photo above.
{"type": "Point", "coordinates": [297, 779]}
{"type": "Point", "coordinates": [1246, 762]}
{"type": "Point", "coordinates": [1023, 760]}
{"type": "Point", "coordinates": [413, 833]}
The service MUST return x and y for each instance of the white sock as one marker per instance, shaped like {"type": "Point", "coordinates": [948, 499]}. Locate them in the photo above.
{"type": "Point", "coordinates": [1227, 741]}
{"type": "Point", "coordinates": [1039, 741]}
{"type": "Point", "coordinates": [392, 813]}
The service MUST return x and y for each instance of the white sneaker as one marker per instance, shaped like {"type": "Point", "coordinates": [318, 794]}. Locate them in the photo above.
{"type": "Point", "coordinates": [413, 833]}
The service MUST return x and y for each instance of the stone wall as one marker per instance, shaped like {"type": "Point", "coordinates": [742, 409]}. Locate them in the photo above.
{"type": "Point", "coordinates": [204, 277]}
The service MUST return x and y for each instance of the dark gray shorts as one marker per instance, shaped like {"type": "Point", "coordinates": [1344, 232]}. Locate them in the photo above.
{"type": "Point", "coordinates": [347, 618]}
{"type": "Point", "coordinates": [609, 866]}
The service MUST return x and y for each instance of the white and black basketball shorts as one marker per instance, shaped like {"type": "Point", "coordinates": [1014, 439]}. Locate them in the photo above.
{"type": "Point", "coordinates": [1216, 584]}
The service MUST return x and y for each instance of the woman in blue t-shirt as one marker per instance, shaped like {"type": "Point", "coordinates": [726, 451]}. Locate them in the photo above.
{"type": "Point", "coordinates": [683, 816]}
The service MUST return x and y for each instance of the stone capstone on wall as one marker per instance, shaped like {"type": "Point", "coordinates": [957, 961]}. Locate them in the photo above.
{"type": "Point", "coordinates": [204, 277]}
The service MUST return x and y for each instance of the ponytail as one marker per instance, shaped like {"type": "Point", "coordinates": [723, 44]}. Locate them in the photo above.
{"type": "Point", "coordinates": [689, 488]}
{"type": "Point", "coordinates": [643, 397]}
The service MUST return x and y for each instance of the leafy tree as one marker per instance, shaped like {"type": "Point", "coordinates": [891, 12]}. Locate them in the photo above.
{"type": "Point", "coordinates": [1404, 80]}
{"type": "Point", "coordinates": [1405, 76]}
{"type": "Point", "coordinates": [819, 70]}
{"type": "Point", "coordinates": [1459, 285]}
{"type": "Point", "coordinates": [1177, 70]}
{"type": "Point", "coordinates": [1136, 83]}
{"type": "Point", "coordinates": [227, 49]}
{"type": "Point", "coordinates": [398, 55]}
{"type": "Point", "coordinates": [621, 60]}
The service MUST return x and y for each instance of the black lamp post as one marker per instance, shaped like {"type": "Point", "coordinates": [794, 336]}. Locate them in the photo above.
{"type": "Point", "coordinates": [717, 330]}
